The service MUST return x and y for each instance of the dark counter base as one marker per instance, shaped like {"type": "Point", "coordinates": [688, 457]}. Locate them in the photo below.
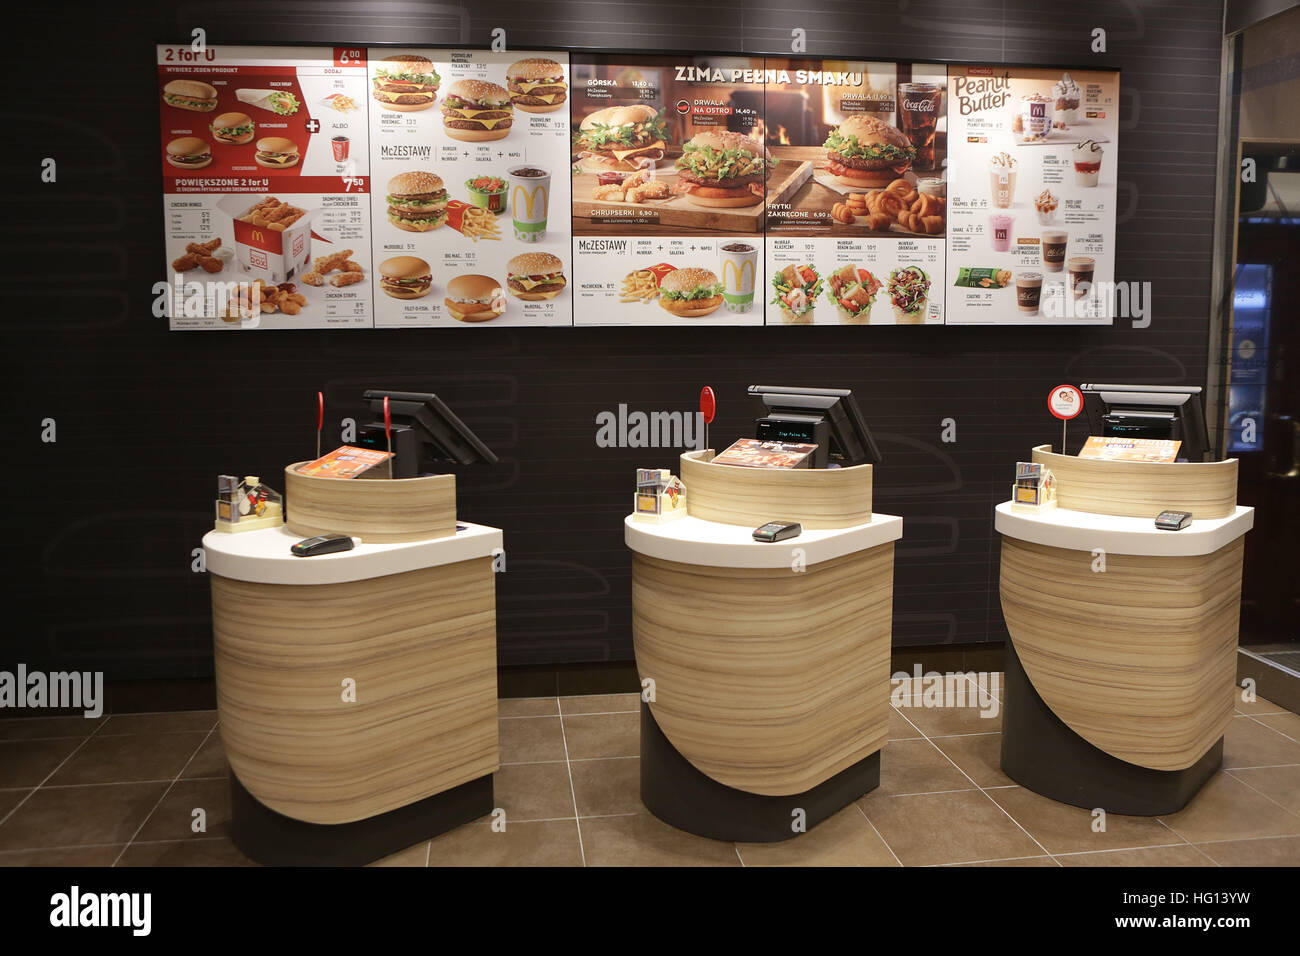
{"type": "Point", "coordinates": [273, 839]}
{"type": "Point", "coordinates": [1042, 754]}
{"type": "Point", "coordinates": [680, 795]}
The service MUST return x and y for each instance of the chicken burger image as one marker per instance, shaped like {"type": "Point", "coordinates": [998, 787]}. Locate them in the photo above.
{"type": "Point", "coordinates": [724, 169]}
{"type": "Point", "coordinates": [405, 277]}
{"type": "Point", "coordinates": [621, 139]}
{"type": "Point", "coordinates": [476, 111]}
{"type": "Point", "coordinates": [190, 95]}
{"type": "Point", "coordinates": [233, 128]}
{"type": "Point", "coordinates": [866, 153]}
{"type": "Point", "coordinates": [474, 298]}
{"type": "Point", "coordinates": [535, 275]}
{"type": "Point", "coordinates": [276, 152]}
{"type": "Point", "coordinates": [536, 85]}
{"type": "Point", "coordinates": [189, 152]}
{"type": "Point", "coordinates": [417, 201]}
{"type": "Point", "coordinates": [690, 292]}
{"type": "Point", "coordinates": [405, 83]}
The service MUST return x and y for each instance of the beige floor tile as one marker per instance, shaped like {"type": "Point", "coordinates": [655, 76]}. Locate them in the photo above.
{"type": "Point", "coordinates": [79, 816]}
{"type": "Point", "coordinates": [531, 739]}
{"type": "Point", "coordinates": [946, 721]}
{"type": "Point", "coordinates": [528, 707]}
{"type": "Point", "coordinates": [63, 856]}
{"type": "Point", "coordinates": [948, 828]}
{"type": "Point", "coordinates": [606, 786]}
{"type": "Point", "coordinates": [1180, 855]}
{"type": "Point", "coordinates": [603, 735]}
{"type": "Point", "coordinates": [844, 839]}
{"type": "Point", "coordinates": [26, 763]}
{"type": "Point", "coordinates": [1288, 723]}
{"type": "Point", "coordinates": [644, 840]}
{"type": "Point", "coordinates": [979, 756]}
{"type": "Point", "coordinates": [417, 855]}
{"type": "Point", "coordinates": [917, 766]}
{"type": "Point", "coordinates": [174, 818]}
{"type": "Point", "coordinates": [209, 760]}
{"type": "Point", "coordinates": [181, 721]}
{"type": "Point", "coordinates": [1249, 743]}
{"type": "Point", "coordinates": [35, 728]}
{"type": "Point", "coordinates": [1280, 784]}
{"type": "Point", "coordinates": [214, 852]}
{"type": "Point", "coordinates": [1258, 706]}
{"type": "Point", "coordinates": [540, 843]}
{"type": "Point", "coordinates": [601, 704]}
{"type": "Point", "coordinates": [1270, 851]}
{"type": "Point", "coordinates": [1227, 809]}
{"type": "Point", "coordinates": [1023, 861]}
{"type": "Point", "coordinates": [534, 791]}
{"type": "Point", "coordinates": [900, 728]}
{"type": "Point", "coordinates": [1061, 828]}
{"type": "Point", "coordinates": [129, 758]}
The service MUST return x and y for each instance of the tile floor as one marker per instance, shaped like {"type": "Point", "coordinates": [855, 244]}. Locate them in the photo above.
{"type": "Point", "coordinates": [122, 790]}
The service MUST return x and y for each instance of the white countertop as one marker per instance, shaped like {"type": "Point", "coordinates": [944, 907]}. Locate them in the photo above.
{"type": "Point", "coordinates": [264, 557]}
{"type": "Point", "coordinates": [1084, 531]}
{"type": "Point", "coordinates": [695, 541]}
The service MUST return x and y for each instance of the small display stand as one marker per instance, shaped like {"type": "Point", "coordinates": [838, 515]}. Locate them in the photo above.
{"type": "Point", "coordinates": [1035, 488]}
{"type": "Point", "coordinates": [660, 496]}
{"type": "Point", "coordinates": [247, 505]}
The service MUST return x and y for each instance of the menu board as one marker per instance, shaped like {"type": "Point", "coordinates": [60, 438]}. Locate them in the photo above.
{"type": "Point", "coordinates": [399, 187]}
{"type": "Point", "coordinates": [1033, 160]}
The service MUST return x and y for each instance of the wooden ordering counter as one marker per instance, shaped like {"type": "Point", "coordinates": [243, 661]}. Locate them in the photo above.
{"type": "Point", "coordinates": [356, 691]}
{"type": "Point", "coordinates": [1121, 667]}
{"type": "Point", "coordinates": [766, 666]}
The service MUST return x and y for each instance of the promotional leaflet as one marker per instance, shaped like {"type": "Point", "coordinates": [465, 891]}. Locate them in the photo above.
{"type": "Point", "coordinates": [470, 214]}
{"type": "Point", "coordinates": [264, 161]}
{"type": "Point", "coordinates": [1033, 160]}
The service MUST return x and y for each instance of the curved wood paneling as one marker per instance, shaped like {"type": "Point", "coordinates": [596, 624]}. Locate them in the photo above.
{"type": "Point", "coordinates": [421, 647]}
{"type": "Point", "coordinates": [818, 498]}
{"type": "Point", "coordinates": [1139, 660]}
{"type": "Point", "coordinates": [768, 681]}
{"type": "Point", "coordinates": [1142, 489]}
{"type": "Point", "coordinates": [376, 510]}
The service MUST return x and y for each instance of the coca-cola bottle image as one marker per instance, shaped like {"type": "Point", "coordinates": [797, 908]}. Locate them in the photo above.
{"type": "Point", "coordinates": [918, 118]}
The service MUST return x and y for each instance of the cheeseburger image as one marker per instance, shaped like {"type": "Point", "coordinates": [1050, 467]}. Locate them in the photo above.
{"type": "Point", "coordinates": [474, 298]}
{"type": "Point", "coordinates": [276, 152]}
{"type": "Point", "coordinates": [476, 111]}
{"type": "Point", "coordinates": [190, 95]}
{"type": "Point", "coordinates": [690, 292]}
{"type": "Point", "coordinates": [621, 138]}
{"type": "Point", "coordinates": [233, 128]}
{"type": "Point", "coordinates": [536, 85]}
{"type": "Point", "coordinates": [535, 275]}
{"type": "Point", "coordinates": [405, 83]}
{"type": "Point", "coordinates": [724, 169]}
{"type": "Point", "coordinates": [405, 277]}
{"type": "Point", "coordinates": [189, 152]}
{"type": "Point", "coordinates": [866, 153]}
{"type": "Point", "coordinates": [417, 201]}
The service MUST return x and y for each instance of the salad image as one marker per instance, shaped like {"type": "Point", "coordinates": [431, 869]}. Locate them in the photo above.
{"type": "Point", "coordinates": [488, 192]}
{"type": "Point", "coordinates": [853, 291]}
{"type": "Point", "coordinates": [797, 289]}
{"type": "Point", "coordinates": [909, 287]}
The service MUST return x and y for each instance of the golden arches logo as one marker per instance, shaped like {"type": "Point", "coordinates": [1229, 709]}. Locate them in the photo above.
{"type": "Point", "coordinates": [741, 270]}
{"type": "Point", "coordinates": [259, 236]}
{"type": "Point", "coordinates": [529, 198]}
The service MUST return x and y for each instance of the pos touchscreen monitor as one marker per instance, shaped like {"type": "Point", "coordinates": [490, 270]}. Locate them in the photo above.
{"type": "Point", "coordinates": [827, 417]}
{"type": "Point", "coordinates": [1149, 411]}
{"type": "Point", "coordinates": [425, 433]}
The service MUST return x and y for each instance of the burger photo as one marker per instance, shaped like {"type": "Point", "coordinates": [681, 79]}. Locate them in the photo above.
{"type": "Point", "coordinates": [866, 153]}
{"type": "Point", "coordinates": [405, 83]}
{"type": "Point", "coordinates": [536, 85]}
{"type": "Point", "coordinates": [476, 111]}
{"type": "Point", "coordinates": [723, 169]}
{"type": "Point", "coordinates": [405, 277]}
{"type": "Point", "coordinates": [233, 128]}
{"type": "Point", "coordinates": [474, 298]}
{"type": "Point", "coordinates": [417, 201]}
{"type": "Point", "coordinates": [190, 95]}
{"type": "Point", "coordinates": [189, 152]}
{"type": "Point", "coordinates": [276, 152]}
{"type": "Point", "coordinates": [621, 139]}
{"type": "Point", "coordinates": [535, 275]}
{"type": "Point", "coordinates": [690, 292]}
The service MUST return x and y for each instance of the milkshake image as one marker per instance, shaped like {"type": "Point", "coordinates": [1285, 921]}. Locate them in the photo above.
{"type": "Point", "coordinates": [1066, 94]}
{"type": "Point", "coordinates": [739, 264]}
{"type": "Point", "coordinates": [1002, 180]}
{"type": "Point", "coordinates": [1036, 115]}
{"type": "Point", "coordinates": [1000, 231]}
{"type": "Point", "coordinates": [1029, 291]}
{"type": "Point", "coordinates": [1081, 270]}
{"type": "Point", "coordinates": [1087, 163]}
{"type": "Point", "coordinates": [1054, 242]}
{"type": "Point", "coordinates": [530, 190]}
{"type": "Point", "coordinates": [1045, 204]}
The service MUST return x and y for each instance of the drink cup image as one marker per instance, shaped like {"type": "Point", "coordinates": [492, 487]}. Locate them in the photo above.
{"type": "Point", "coordinates": [1036, 115]}
{"type": "Point", "coordinates": [1029, 290]}
{"type": "Point", "coordinates": [530, 190]}
{"type": "Point", "coordinates": [1081, 269]}
{"type": "Point", "coordinates": [738, 262]}
{"type": "Point", "coordinates": [1000, 231]}
{"type": "Point", "coordinates": [1054, 243]}
{"type": "Point", "coordinates": [918, 118]}
{"type": "Point", "coordinates": [1087, 163]}
{"type": "Point", "coordinates": [340, 146]}
{"type": "Point", "coordinates": [1002, 180]}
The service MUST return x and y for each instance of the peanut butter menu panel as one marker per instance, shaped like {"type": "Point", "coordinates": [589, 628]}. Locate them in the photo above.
{"type": "Point", "coordinates": [265, 166]}
{"type": "Point", "coordinates": [1032, 196]}
{"type": "Point", "coordinates": [470, 212]}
